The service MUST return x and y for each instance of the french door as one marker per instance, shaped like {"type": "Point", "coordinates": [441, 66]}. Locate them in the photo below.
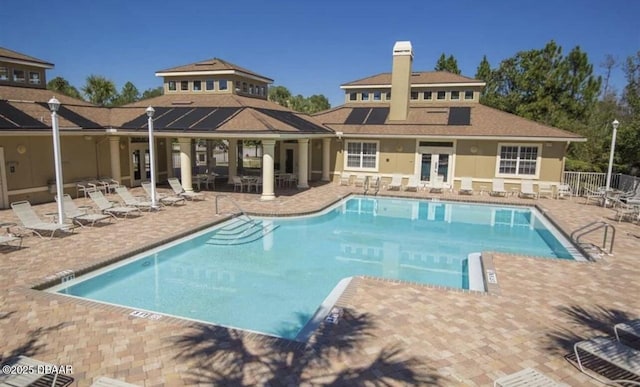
{"type": "Point", "coordinates": [434, 164]}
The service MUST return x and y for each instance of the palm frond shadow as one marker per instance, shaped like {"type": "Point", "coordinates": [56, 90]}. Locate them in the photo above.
{"type": "Point", "coordinates": [32, 346]}
{"type": "Point", "coordinates": [227, 357]}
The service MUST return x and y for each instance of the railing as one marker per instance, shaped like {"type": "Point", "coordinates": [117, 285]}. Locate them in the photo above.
{"type": "Point", "coordinates": [235, 204]}
{"type": "Point", "coordinates": [579, 181]}
{"type": "Point", "coordinates": [369, 185]}
{"type": "Point", "coordinates": [594, 226]}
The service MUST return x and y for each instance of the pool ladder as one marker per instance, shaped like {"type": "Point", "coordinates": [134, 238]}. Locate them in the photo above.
{"type": "Point", "coordinates": [594, 226]}
{"type": "Point", "coordinates": [235, 204]}
{"type": "Point", "coordinates": [369, 185]}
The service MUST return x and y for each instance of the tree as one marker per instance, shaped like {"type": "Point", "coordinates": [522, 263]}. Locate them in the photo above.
{"type": "Point", "coordinates": [128, 94]}
{"type": "Point", "coordinates": [449, 64]}
{"type": "Point", "coordinates": [318, 103]}
{"type": "Point", "coordinates": [99, 90]}
{"type": "Point", "coordinates": [280, 95]}
{"type": "Point", "coordinates": [152, 93]}
{"type": "Point", "coordinates": [484, 73]}
{"type": "Point", "coordinates": [629, 131]}
{"type": "Point", "coordinates": [62, 86]}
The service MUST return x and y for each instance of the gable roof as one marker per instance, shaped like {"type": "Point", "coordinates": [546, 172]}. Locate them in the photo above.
{"type": "Point", "coordinates": [7, 55]}
{"type": "Point", "coordinates": [212, 66]}
{"type": "Point", "coordinates": [417, 78]}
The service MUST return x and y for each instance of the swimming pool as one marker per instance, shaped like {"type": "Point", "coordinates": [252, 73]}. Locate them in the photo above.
{"type": "Point", "coordinates": [270, 275]}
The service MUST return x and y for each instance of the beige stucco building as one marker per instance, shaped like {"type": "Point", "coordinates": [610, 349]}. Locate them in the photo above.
{"type": "Point", "coordinates": [419, 124]}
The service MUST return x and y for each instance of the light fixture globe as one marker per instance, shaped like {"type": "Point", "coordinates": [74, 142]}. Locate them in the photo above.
{"type": "Point", "coordinates": [615, 124]}
{"type": "Point", "coordinates": [150, 111]}
{"type": "Point", "coordinates": [54, 104]}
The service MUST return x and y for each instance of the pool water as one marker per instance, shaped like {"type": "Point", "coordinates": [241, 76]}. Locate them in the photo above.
{"type": "Point", "coordinates": [270, 275]}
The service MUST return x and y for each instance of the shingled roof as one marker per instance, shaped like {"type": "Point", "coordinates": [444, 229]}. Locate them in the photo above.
{"type": "Point", "coordinates": [212, 65]}
{"type": "Point", "coordinates": [10, 56]}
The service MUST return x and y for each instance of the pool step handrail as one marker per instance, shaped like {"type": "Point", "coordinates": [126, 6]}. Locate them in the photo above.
{"type": "Point", "coordinates": [250, 234]}
{"type": "Point", "coordinates": [242, 213]}
{"type": "Point", "coordinates": [594, 226]}
{"type": "Point", "coordinates": [369, 185]}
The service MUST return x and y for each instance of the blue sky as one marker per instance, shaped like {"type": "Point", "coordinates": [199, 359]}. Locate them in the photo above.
{"type": "Point", "coordinates": [311, 47]}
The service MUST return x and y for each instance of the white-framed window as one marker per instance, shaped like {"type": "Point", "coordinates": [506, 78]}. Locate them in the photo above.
{"type": "Point", "coordinates": [209, 84]}
{"type": "Point", "coordinates": [184, 85]}
{"type": "Point", "coordinates": [365, 96]}
{"type": "Point", "coordinates": [172, 86]}
{"type": "Point", "coordinates": [222, 84]}
{"type": "Point", "coordinates": [468, 94]}
{"type": "Point", "coordinates": [455, 94]}
{"type": "Point", "coordinates": [4, 73]}
{"type": "Point", "coordinates": [353, 96]}
{"type": "Point", "coordinates": [441, 95]}
{"type": "Point", "coordinates": [414, 95]}
{"type": "Point", "coordinates": [34, 77]}
{"type": "Point", "coordinates": [361, 155]}
{"type": "Point", "coordinates": [377, 96]}
{"type": "Point", "coordinates": [197, 85]}
{"type": "Point", "coordinates": [427, 95]}
{"type": "Point", "coordinates": [522, 160]}
{"type": "Point", "coordinates": [18, 75]}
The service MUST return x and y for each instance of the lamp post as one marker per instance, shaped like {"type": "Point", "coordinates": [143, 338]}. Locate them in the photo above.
{"type": "Point", "coordinates": [615, 124]}
{"type": "Point", "coordinates": [152, 156]}
{"type": "Point", "coordinates": [54, 105]}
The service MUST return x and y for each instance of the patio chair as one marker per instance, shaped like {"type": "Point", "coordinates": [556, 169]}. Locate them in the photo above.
{"type": "Point", "coordinates": [526, 189]}
{"type": "Point", "coordinates": [545, 189]}
{"type": "Point", "coordinates": [178, 190]}
{"type": "Point", "coordinates": [359, 181]}
{"type": "Point", "coordinates": [107, 207]}
{"type": "Point", "coordinates": [596, 194]}
{"type": "Point", "coordinates": [85, 187]}
{"type": "Point", "coordinates": [497, 188]}
{"type": "Point", "coordinates": [466, 186]}
{"type": "Point", "coordinates": [237, 183]}
{"type": "Point", "coordinates": [32, 222]}
{"type": "Point", "coordinates": [257, 183]}
{"type": "Point", "coordinates": [564, 190]}
{"type": "Point", "coordinates": [81, 215]}
{"type": "Point", "coordinates": [436, 184]}
{"type": "Point", "coordinates": [396, 182]}
{"type": "Point", "coordinates": [610, 351]}
{"type": "Point", "coordinates": [133, 201]}
{"type": "Point", "coordinates": [526, 377]}
{"type": "Point", "coordinates": [345, 178]}
{"type": "Point", "coordinates": [8, 238]}
{"type": "Point", "coordinates": [412, 184]}
{"type": "Point", "coordinates": [162, 198]}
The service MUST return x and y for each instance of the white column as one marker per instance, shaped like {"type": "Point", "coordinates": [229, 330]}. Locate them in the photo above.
{"type": "Point", "coordinates": [326, 159]}
{"type": "Point", "coordinates": [233, 159]}
{"type": "Point", "coordinates": [185, 163]}
{"type": "Point", "coordinates": [268, 150]}
{"type": "Point", "coordinates": [114, 155]}
{"type": "Point", "coordinates": [303, 163]}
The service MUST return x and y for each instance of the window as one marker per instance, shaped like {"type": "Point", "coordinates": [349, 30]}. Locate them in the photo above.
{"type": "Point", "coordinates": [441, 95]}
{"type": "Point", "coordinates": [209, 84]}
{"type": "Point", "coordinates": [427, 96]}
{"type": "Point", "coordinates": [353, 96]}
{"type": "Point", "coordinates": [4, 73]}
{"type": "Point", "coordinates": [414, 95]}
{"type": "Point", "coordinates": [222, 84]}
{"type": "Point", "coordinates": [388, 96]}
{"type": "Point", "coordinates": [365, 95]}
{"type": "Point", "coordinates": [455, 95]}
{"type": "Point", "coordinates": [18, 75]}
{"type": "Point", "coordinates": [244, 87]}
{"type": "Point", "coordinates": [518, 160]}
{"type": "Point", "coordinates": [251, 88]}
{"type": "Point", "coordinates": [468, 94]}
{"type": "Point", "coordinates": [184, 85]}
{"type": "Point", "coordinates": [172, 85]}
{"type": "Point", "coordinates": [197, 85]}
{"type": "Point", "coordinates": [377, 96]}
{"type": "Point", "coordinates": [362, 155]}
{"type": "Point", "coordinates": [34, 77]}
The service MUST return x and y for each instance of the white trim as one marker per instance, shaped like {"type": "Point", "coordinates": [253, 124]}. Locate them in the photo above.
{"type": "Point", "coordinates": [345, 155]}
{"type": "Point", "coordinates": [380, 86]}
{"type": "Point", "coordinates": [500, 138]}
{"type": "Point", "coordinates": [517, 175]}
{"type": "Point", "coordinates": [26, 63]}
{"type": "Point", "coordinates": [213, 72]}
{"type": "Point", "coordinates": [4, 196]}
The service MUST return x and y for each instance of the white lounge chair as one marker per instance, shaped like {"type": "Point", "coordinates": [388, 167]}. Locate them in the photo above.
{"type": "Point", "coordinates": [527, 377]}
{"type": "Point", "coordinates": [545, 189]}
{"type": "Point", "coordinates": [396, 182]}
{"type": "Point", "coordinates": [598, 195]}
{"type": "Point", "coordinates": [178, 190]}
{"type": "Point", "coordinates": [526, 189]}
{"type": "Point", "coordinates": [80, 216]}
{"type": "Point", "coordinates": [345, 178]}
{"type": "Point", "coordinates": [32, 222]}
{"type": "Point", "coordinates": [497, 188]}
{"type": "Point", "coordinates": [110, 208]}
{"type": "Point", "coordinates": [611, 351]}
{"type": "Point", "coordinates": [436, 184]}
{"type": "Point", "coordinates": [466, 186]}
{"type": "Point", "coordinates": [359, 181]}
{"type": "Point", "coordinates": [164, 199]}
{"type": "Point", "coordinates": [413, 184]}
{"type": "Point", "coordinates": [564, 190]}
{"type": "Point", "coordinates": [133, 201]}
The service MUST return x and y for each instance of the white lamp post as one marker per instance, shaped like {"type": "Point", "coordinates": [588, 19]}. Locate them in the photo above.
{"type": "Point", "coordinates": [615, 124]}
{"type": "Point", "coordinates": [152, 156]}
{"type": "Point", "coordinates": [54, 105]}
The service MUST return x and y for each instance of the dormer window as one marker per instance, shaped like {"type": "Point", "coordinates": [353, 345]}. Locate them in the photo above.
{"type": "Point", "coordinates": [414, 95]}
{"type": "Point", "coordinates": [244, 87]}
{"type": "Point", "coordinates": [222, 84]}
{"type": "Point", "coordinates": [353, 96]}
{"type": "Point", "coordinates": [441, 95]}
{"type": "Point", "coordinates": [34, 77]}
{"type": "Point", "coordinates": [18, 75]}
{"type": "Point", "coordinates": [388, 96]}
{"type": "Point", "coordinates": [172, 85]}
{"type": "Point", "coordinates": [377, 96]}
{"type": "Point", "coordinates": [427, 95]}
{"type": "Point", "coordinates": [365, 95]}
{"type": "Point", "coordinates": [184, 85]}
{"type": "Point", "coordinates": [455, 95]}
{"type": "Point", "coordinates": [4, 73]}
{"type": "Point", "coordinates": [209, 84]}
{"type": "Point", "coordinates": [468, 94]}
{"type": "Point", "coordinates": [197, 85]}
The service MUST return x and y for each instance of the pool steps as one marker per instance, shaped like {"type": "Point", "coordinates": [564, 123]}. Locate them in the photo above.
{"type": "Point", "coordinates": [240, 231]}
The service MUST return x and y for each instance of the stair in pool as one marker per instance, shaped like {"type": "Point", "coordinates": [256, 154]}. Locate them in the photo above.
{"type": "Point", "coordinates": [239, 231]}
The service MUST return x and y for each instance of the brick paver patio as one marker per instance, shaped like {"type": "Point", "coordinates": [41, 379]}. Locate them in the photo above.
{"type": "Point", "coordinates": [400, 333]}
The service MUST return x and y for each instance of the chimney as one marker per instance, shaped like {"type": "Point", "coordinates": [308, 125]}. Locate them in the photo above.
{"type": "Point", "coordinates": [401, 81]}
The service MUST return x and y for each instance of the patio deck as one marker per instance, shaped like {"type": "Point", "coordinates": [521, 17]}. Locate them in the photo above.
{"type": "Point", "coordinates": [403, 333]}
